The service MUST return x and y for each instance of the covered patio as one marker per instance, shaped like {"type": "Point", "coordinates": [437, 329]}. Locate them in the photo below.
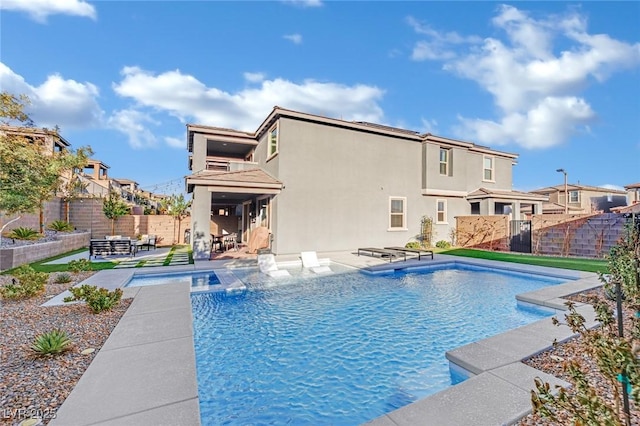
{"type": "Point", "coordinates": [238, 202]}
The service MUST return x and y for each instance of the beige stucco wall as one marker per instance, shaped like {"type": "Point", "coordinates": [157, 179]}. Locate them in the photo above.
{"type": "Point", "coordinates": [337, 185]}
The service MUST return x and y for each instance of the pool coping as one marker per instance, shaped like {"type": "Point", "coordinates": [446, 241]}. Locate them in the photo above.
{"type": "Point", "coordinates": [123, 385]}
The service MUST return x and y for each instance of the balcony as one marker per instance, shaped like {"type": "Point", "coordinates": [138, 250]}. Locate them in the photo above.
{"type": "Point", "coordinates": [228, 165]}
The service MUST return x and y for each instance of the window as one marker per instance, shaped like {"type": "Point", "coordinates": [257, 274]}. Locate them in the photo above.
{"type": "Point", "coordinates": [445, 158]}
{"type": "Point", "coordinates": [397, 213]}
{"type": "Point", "coordinates": [441, 211]}
{"type": "Point", "coordinates": [273, 141]}
{"type": "Point", "coordinates": [488, 168]}
{"type": "Point", "coordinates": [574, 196]}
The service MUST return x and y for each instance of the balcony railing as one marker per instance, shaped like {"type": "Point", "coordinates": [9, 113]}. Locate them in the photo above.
{"type": "Point", "coordinates": [226, 165]}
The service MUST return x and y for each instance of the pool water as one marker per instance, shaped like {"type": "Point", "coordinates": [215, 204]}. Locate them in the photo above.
{"type": "Point", "coordinates": [195, 280]}
{"type": "Point", "coordinates": [345, 348]}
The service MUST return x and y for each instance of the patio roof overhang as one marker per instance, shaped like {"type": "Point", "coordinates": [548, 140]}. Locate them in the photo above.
{"type": "Point", "coordinates": [523, 197]}
{"type": "Point", "coordinates": [235, 186]}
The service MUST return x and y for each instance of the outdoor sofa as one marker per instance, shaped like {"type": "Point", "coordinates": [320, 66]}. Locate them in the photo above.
{"type": "Point", "coordinates": [111, 246]}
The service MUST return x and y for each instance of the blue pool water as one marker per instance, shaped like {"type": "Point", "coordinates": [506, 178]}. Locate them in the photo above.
{"type": "Point", "coordinates": [346, 348]}
{"type": "Point", "coordinates": [193, 279]}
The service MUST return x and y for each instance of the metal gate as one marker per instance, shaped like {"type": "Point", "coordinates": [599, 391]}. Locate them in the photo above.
{"type": "Point", "coordinates": [520, 237]}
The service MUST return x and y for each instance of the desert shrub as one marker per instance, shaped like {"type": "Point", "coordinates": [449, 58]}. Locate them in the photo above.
{"type": "Point", "coordinates": [50, 343]}
{"type": "Point", "coordinates": [60, 226]}
{"type": "Point", "coordinates": [62, 278]}
{"type": "Point", "coordinates": [22, 233]}
{"type": "Point", "coordinates": [412, 245]}
{"type": "Point", "coordinates": [98, 299]}
{"type": "Point", "coordinates": [26, 283]}
{"type": "Point", "coordinates": [443, 244]}
{"type": "Point", "coordinates": [79, 265]}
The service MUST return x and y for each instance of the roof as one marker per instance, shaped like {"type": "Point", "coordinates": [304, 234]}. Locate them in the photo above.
{"type": "Point", "coordinates": [576, 187]}
{"type": "Point", "coordinates": [633, 208]}
{"type": "Point", "coordinates": [254, 180]}
{"type": "Point", "coordinates": [482, 193]}
{"type": "Point", "coordinates": [633, 185]}
{"type": "Point", "coordinates": [36, 131]}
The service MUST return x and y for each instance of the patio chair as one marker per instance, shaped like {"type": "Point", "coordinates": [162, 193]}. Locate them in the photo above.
{"type": "Point", "coordinates": [231, 241]}
{"type": "Point", "coordinates": [267, 264]}
{"type": "Point", "coordinates": [310, 261]}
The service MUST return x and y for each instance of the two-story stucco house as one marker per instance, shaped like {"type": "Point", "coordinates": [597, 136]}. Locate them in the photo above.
{"type": "Point", "coordinates": [325, 184]}
{"type": "Point", "coordinates": [581, 199]}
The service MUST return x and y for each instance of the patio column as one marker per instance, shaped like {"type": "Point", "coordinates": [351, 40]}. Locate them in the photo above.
{"type": "Point", "coordinates": [201, 223]}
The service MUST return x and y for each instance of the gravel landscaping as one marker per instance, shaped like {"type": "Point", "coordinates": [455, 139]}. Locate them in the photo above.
{"type": "Point", "coordinates": [34, 386]}
{"type": "Point", "coordinates": [551, 362]}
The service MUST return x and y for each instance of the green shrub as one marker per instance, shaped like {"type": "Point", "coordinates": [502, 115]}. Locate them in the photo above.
{"type": "Point", "coordinates": [98, 299]}
{"type": "Point", "coordinates": [80, 265]}
{"type": "Point", "coordinates": [51, 342]}
{"type": "Point", "coordinates": [443, 244]}
{"type": "Point", "coordinates": [60, 226]}
{"type": "Point", "coordinates": [22, 233]}
{"type": "Point", "coordinates": [412, 245]}
{"type": "Point", "coordinates": [27, 283]}
{"type": "Point", "coordinates": [62, 278]}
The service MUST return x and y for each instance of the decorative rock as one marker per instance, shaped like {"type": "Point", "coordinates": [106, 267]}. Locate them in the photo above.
{"type": "Point", "coordinates": [31, 422]}
{"type": "Point", "coordinates": [556, 358]}
{"type": "Point", "coordinates": [88, 351]}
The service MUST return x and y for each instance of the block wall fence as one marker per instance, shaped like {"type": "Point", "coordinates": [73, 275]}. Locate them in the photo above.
{"type": "Point", "coordinates": [86, 214]}
{"type": "Point", "coordinates": [579, 235]}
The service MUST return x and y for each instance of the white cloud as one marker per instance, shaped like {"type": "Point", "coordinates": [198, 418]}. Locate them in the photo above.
{"type": "Point", "coordinates": [254, 77]}
{"type": "Point", "coordinates": [429, 126]}
{"type": "Point", "coordinates": [304, 3]}
{"type": "Point", "coordinates": [536, 87]}
{"type": "Point", "coordinates": [611, 186]}
{"type": "Point", "coordinates": [439, 45]}
{"type": "Point", "coordinates": [294, 38]}
{"type": "Point", "coordinates": [58, 101]}
{"type": "Point", "coordinates": [40, 10]}
{"type": "Point", "coordinates": [132, 122]}
{"type": "Point", "coordinates": [175, 142]}
{"type": "Point", "coordinates": [188, 99]}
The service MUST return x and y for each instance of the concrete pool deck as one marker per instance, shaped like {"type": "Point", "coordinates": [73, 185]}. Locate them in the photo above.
{"type": "Point", "coordinates": [145, 373]}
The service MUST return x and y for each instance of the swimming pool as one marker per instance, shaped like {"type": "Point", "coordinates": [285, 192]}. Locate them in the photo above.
{"type": "Point", "coordinates": [195, 280]}
{"type": "Point", "coordinates": [345, 348]}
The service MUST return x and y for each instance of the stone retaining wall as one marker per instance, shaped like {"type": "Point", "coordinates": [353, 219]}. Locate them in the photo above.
{"type": "Point", "coordinates": [14, 257]}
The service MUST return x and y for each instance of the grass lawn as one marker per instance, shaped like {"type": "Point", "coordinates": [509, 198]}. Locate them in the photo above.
{"type": "Point", "coordinates": [587, 265]}
{"type": "Point", "coordinates": [94, 266]}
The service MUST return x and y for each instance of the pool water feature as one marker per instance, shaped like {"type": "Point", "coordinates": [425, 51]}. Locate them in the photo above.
{"type": "Point", "coordinates": [195, 280]}
{"type": "Point", "coordinates": [345, 348]}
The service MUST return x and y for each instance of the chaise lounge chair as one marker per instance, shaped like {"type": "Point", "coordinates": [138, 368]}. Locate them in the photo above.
{"type": "Point", "coordinates": [391, 254]}
{"type": "Point", "coordinates": [267, 264]}
{"type": "Point", "coordinates": [310, 261]}
{"type": "Point", "coordinates": [419, 252]}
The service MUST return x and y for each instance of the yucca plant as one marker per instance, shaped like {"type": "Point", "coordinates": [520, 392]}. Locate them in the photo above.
{"type": "Point", "coordinates": [22, 233]}
{"type": "Point", "coordinates": [52, 342]}
{"type": "Point", "coordinates": [60, 226]}
{"type": "Point", "coordinates": [62, 278]}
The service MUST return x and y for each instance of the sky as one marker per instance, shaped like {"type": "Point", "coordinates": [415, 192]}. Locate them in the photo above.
{"type": "Point", "coordinates": [556, 82]}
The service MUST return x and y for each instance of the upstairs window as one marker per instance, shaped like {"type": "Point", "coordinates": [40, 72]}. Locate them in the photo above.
{"type": "Point", "coordinates": [445, 158]}
{"type": "Point", "coordinates": [273, 141]}
{"type": "Point", "coordinates": [397, 213]}
{"type": "Point", "coordinates": [488, 168]}
{"type": "Point", "coordinates": [574, 196]}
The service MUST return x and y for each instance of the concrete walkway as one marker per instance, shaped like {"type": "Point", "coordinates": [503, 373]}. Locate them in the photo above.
{"type": "Point", "coordinates": [145, 373]}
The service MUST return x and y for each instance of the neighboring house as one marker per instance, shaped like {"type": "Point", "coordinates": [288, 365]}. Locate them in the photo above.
{"type": "Point", "coordinates": [633, 193]}
{"type": "Point", "coordinates": [326, 184]}
{"type": "Point", "coordinates": [95, 177]}
{"type": "Point", "coordinates": [49, 140]}
{"type": "Point", "coordinates": [580, 199]}
{"type": "Point", "coordinates": [633, 200]}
